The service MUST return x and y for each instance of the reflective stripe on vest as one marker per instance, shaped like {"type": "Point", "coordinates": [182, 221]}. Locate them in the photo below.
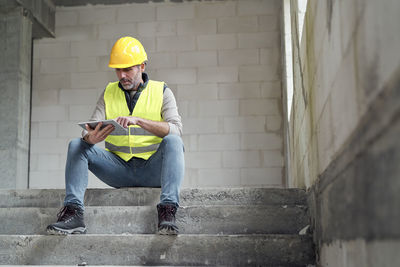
{"type": "Point", "coordinates": [135, 131]}
{"type": "Point", "coordinates": [137, 142]}
{"type": "Point", "coordinates": [134, 150]}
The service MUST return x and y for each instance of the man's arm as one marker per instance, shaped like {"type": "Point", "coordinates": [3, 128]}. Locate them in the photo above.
{"type": "Point", "coordinates": [158, 128]}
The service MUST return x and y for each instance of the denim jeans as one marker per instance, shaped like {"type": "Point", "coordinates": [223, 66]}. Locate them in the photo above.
{"type": "Point", "coordinates": [165, 169]}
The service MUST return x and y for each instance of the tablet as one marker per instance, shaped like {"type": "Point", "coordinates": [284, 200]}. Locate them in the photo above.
{"type": "Point", "coordinates": [119, 130]}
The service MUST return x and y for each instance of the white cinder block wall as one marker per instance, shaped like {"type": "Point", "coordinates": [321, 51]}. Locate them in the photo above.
{"type": "Point", "coordinates": [220, 58]}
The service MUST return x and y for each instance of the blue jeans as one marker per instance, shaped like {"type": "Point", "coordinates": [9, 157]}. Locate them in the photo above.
{"type": "Point", "coordinates": [165, 169]}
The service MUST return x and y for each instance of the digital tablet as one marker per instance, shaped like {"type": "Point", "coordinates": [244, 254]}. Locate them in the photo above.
{"type": "Point", "coordinates": [118, 128]}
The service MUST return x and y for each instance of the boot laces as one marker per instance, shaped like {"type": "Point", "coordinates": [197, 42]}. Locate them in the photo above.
{"type": "Point", "coordinates": [167, 213]}
{"type": "Point", "coordinates": [65, 213]}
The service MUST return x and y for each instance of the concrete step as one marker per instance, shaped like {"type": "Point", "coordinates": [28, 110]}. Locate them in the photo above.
{"type": "Point", "coordinates": [150, 197]}
{"type": "Point", "coordinates": [221, 219]}
{"type": "Point", "coordinates": [184, 250]}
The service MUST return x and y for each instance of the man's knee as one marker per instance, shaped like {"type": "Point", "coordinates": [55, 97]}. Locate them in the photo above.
{"type": "Point", "coordinates": [76, 144]}
{"type": "Point", "coordinates": [173, 140]}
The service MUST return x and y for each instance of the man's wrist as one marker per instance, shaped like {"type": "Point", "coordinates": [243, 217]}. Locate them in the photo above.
{"type": "Point", "coordinates": [86, 139]}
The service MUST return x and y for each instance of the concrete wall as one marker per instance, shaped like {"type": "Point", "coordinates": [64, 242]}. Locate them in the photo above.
{"type": "Point", "coordinates": [221, 59]}
{"type": "Point", "coordinates": [344, 128]}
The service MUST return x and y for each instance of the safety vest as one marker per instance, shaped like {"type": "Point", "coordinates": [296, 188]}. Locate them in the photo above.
{"type": "Point", "coordinates": [137, 142]}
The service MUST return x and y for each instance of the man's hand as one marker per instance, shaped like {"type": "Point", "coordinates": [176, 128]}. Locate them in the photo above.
{"type": "Point", "coordinates": [126, 121]}
{"type": "Point", "coordinates": [96, 135]}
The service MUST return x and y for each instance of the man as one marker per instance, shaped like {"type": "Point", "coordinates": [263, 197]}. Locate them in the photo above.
{"type": "Point", "coordinates": [150, 154]}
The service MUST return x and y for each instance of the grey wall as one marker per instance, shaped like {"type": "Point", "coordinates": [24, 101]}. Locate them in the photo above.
{"type": "Point", "coordinates": [344, 128]}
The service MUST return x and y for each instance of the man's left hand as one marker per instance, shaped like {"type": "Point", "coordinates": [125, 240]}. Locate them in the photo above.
{"type": "Point", "coordinates": [126, 121]}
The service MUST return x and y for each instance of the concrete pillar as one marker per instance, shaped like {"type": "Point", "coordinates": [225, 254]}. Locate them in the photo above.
{"type": "Point", "coordinates": [15, 95]}
{"type": "Point", "coordinates": [20, 21]}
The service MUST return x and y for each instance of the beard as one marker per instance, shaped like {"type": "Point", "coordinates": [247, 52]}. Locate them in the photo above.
{"type": "Point", "coordinates": [131, 84]}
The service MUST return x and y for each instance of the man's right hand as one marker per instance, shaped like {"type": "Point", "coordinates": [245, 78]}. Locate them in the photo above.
{"type": "Point", "coordinates": [96, 135]}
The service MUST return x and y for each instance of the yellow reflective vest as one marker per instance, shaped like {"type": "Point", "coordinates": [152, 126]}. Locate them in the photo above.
{"type": "Point", "coordinates": [137, 142]}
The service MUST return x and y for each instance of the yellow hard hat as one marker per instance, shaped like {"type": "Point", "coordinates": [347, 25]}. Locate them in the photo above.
{"type": "Point", "coordinates": [127, 52]}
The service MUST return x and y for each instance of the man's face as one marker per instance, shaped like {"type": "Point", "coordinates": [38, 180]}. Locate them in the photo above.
{"type": "Point", "coordinates": [130, 78]}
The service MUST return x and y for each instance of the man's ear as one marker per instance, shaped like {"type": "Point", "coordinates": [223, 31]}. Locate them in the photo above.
{"type": "Point", "coordinates": [142, 67]}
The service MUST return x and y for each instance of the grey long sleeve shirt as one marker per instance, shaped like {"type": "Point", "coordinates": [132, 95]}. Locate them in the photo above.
{"type": "Point", "coordinates": [169, 111]}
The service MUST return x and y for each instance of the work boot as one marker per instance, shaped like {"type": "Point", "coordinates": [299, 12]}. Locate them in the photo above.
{"type": "Point", "coordinates": [70, 221]}
{"type": "Point", "coordinates": [166, 219]}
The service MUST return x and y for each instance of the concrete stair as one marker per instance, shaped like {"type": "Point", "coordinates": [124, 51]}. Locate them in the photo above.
{"type": "Point", "coordinates": [224, 227]}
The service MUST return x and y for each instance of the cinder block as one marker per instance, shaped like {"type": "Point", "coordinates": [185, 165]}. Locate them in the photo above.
{"type": "Point", "coordinates": [179, 76]}
{"type": "Point", "coordinates": [270, 56]}
{"type": "Point", "coordinates": [162, 60]}
{"type": "Point", "coordinates": [274, 123]}
{"type": "Point", "coordinates": [258, 73]}
{"type": "Point", "coordinates": [136, 13]}
{"type": "Point", "coordinates": [258, 7]}
{"type": "Point", "coordinates": [207, 91]}
{"type": "Point", "coordinates": [190, 142]}
{"type": "Point", "coordinates": [266, 141]}
{"type": "Point", "coordinates": [90, 80]}
{"type": "Point", "coordinates": [262, 177]}
{"type": "Point", "coordinates": [239, 90]}
{"type": "Point", "coordinates": [51, 50]}
{"type": "Point", "coordinates": [197, 59]}
{"type": "Point", "coordinates": [218, 74]}
{"type": "Point", "coordinates": [89, 48]}
{"type": "Point", "coordinates": [44, 98]}
{"type": "Point", "coordinates": [248, 124]}
{"type": "Point", "coordinates": [47, 129]}
{"type": "Point", "coordinates": [115, 31]}
{"type": "Point", "coordinates": [149, 43]}
{"type": "Point", "coordinates": [241, 159]}
{"type": "Point", "coordinates": [72, 33]}
{"type": "Point", "coordinates": [238, 57]}
{"type": "Point", "coordinates": [50, 113]}
{"type": "Point", "coordinates": [48, 162]}
{"type": "Point", "coordinates": [218, 41]}
{"type": "Point", "coordinates": [218, 108]}
{"type": "Point", "coordinates": [51, 81]}
{"type": "Point", "coordinates": [268, 23]}
{"type": "Point", "coordinates": [47, 145]}
{"type": "Point", "coordinates": [273, 158]}
{"type": "Point", "coordinates": [77, 96]}
{"type": "Point", "coordinates": [157, 28]}
{"type": "Point", "coordinates": [238, 24]}
{"type": "Point", "coordinates": [195, 27]}
{"type": "Point", "coordinates": [33, 162]}
{"type": "Point", "coordinates": [271, 89]}
{"type": "Point", "coordinates": [66, 18]}
{"type": "Point", "coordinates": [69, 129]}
{"type": "Point", "coordinates": [181, 43]}
{"type": "Point", "coordinates": [96, 16]}
{"type": "Point", "coordinates": [218, 142]}
{"type": "Point", "coordinates": [35, 129]}
{"type": "Point", "coordinates": [58, 65]}
{"type": "Point", "coordinates": [259, 107]}
{"type": "Point", "coordinates": [219, 177]}
{"type": "Point", "coordinates": [175, 11]}
{"type": "Point", "coordinates": [81, 112]}
{"type": "Point", "coordinates": [88, 64]}
{"type": "Point", "coordinates": [200, 125]}
{"type": "Point", "coordinates": [205, 160]}
{"type": "Point", "coordinates": [258, 40]}
{"type": "Point", "coordinates": [216, 9]}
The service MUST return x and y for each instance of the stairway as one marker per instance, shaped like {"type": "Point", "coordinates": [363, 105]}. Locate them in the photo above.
{"type": "Point", "coordinates": [224, 227]}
